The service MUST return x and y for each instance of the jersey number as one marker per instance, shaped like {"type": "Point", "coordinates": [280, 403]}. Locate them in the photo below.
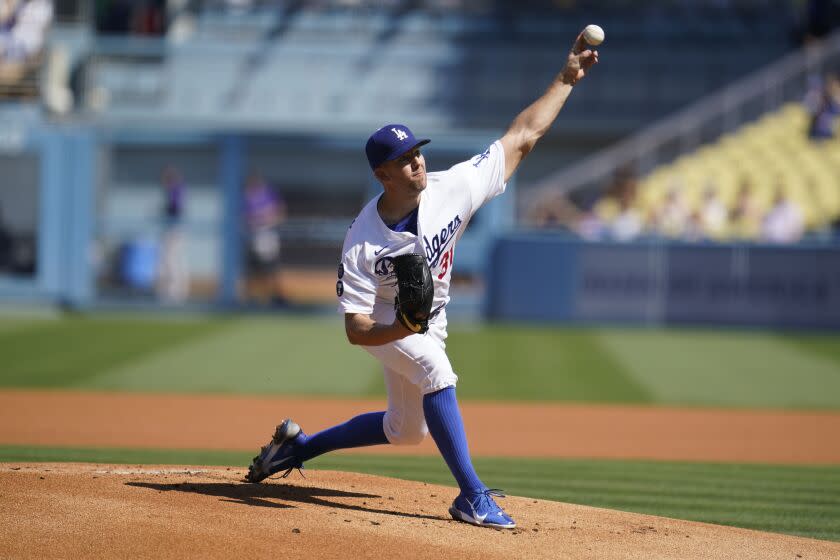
{"type": "Point", "coordinates": [447, 261]}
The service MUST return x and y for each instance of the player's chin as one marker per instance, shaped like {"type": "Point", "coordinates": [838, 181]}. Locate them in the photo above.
{"type": "Point", "coordinates": [419, 184]}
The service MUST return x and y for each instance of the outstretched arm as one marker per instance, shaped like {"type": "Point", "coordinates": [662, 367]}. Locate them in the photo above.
{"type": "Point", "coordinates": [532, 123]}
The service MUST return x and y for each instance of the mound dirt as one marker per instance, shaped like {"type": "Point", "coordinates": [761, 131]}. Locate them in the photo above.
{"type": "Point", "coordinates": [244, 422]}
{"type": "Point", "coordinates": [108, 511]}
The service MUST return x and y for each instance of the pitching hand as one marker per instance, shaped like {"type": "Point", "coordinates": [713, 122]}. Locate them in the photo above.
{"type": "Point", "coordinates": [580, 60]}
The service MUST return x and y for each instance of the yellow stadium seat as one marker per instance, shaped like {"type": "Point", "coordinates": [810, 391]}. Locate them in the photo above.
{"type": "Point", "coordinates": [771, 151]}
{"type": "Point", "coordinates": [606, 209]}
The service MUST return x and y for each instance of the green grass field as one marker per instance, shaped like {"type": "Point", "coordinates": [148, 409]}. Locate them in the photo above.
{"type": "Point", "coordinates": [309, 356]}
{"type": "Point", "coordinates": [306, 355]}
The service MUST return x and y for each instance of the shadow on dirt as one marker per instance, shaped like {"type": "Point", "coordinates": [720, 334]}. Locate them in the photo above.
{"type": "Point", "coordinates": [267, 495]}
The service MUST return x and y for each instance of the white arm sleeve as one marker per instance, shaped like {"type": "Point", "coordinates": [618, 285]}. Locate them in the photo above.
{"type": "Point", "coordinates": [355, 288]}
{"type": "Point", "coordinates": [486, 174]}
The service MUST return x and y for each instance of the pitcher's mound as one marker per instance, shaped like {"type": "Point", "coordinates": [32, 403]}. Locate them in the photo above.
{"type": "Point", "coordinates": [117, 511]}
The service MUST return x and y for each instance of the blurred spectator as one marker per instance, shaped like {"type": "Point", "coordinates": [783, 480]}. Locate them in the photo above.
{"type": "Point", "coordinates": [588, 226]}
{"type": "Point", "coordinates": [745, 218]}
{"type": "Point", "coordinates": [265, 211]}
{"type": "Point", "coordinates": [823, 105]}
{"type": "Point", "coordinates": [557, 211]}
{"type": "Point", "coordinates": [23, 29]}
{"type": "Point", "coordinates": [617, 210]}
{"type": "Point", "coordinates": [695, 229]}
{"type": "Point", "coordinates": [173, 277]}
{"type": "Point", "coordinates": [553, 210]}
{"type": "Point", "coordinates": [784, 222]}
{"type": "Point", "coordinates": [671, 217]}
{"type": "Point", "coordinates": [628, 224]}
{"type": "Point", "coordinates": [713, 214]}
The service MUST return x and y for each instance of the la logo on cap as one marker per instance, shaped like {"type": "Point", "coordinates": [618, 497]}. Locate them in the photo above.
{"type": "Point", "coordinates": [389, 142]}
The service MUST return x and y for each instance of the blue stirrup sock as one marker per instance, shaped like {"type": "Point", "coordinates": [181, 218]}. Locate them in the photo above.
{"type": "Point", "coordinates": [359, 431]}
{"type": "Point", "coordinates": [447, 428]}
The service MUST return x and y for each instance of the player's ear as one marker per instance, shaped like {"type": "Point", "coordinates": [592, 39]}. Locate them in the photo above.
{"type": "Point", "coordinates": [380, 174]}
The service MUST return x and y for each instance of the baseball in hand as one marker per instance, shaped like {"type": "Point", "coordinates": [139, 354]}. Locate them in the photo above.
{"type": "Point", "coordinates": [593, 34]}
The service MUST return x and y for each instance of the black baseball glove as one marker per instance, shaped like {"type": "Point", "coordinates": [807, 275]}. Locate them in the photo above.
{"type": "Point", "coordinates": [415, 291]}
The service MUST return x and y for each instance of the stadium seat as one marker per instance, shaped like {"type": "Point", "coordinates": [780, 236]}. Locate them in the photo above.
{"type": "Point", "coordinates": [771, 151]}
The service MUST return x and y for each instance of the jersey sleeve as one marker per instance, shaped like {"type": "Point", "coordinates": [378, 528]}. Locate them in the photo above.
{"type": "Point", "coordinates": [356, 290]}
{"type": "Point", "coordinates": [486, 174]}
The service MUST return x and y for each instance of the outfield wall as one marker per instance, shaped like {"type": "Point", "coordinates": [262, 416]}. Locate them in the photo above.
{"type": "Point", "coordinates": [547, 278]}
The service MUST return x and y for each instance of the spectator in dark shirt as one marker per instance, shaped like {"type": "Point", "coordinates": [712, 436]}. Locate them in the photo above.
{"type": "Point", "coordinates": [173, 277]}
{"type": "Point", "coordinates": [823, 104]}
{"type": "Point", "coordinates": [265, 211]}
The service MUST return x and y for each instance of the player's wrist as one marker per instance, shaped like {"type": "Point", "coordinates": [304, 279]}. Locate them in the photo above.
{"type": "Point", "coordinates": [399, 329]}
{"type": "Point", "coordinates": [569, 75]}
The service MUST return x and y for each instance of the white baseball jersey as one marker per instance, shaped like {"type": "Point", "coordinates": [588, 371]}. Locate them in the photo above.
{"type": "Point", "coordinates": [366, 280]}
{"type": "Point", "coordinates": [417, 364]}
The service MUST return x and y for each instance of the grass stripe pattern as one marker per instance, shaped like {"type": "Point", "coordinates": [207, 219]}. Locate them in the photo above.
{"type": "Point", "coordinates": [306, 355]}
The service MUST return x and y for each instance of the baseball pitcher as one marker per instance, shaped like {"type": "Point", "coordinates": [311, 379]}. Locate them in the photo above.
{"type": "Point", "coordinates": [393, 287]}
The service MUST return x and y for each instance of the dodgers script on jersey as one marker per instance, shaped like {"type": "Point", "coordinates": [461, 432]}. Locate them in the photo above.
{"type": "Point", "coordinates": [366, 280]}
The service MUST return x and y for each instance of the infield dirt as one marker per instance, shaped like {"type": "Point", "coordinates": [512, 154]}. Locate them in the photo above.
{"type": "Point", "coordinates": [212, 422]}
{"type": "Point", "coordinates": [106, 511]}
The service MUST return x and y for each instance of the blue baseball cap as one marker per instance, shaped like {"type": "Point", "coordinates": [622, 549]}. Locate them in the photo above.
{"type": "Point", "coordinates": [390, 142]}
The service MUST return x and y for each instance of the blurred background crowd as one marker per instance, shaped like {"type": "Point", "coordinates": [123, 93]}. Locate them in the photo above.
{"type": "Point", "coordinates": [213, 147]}
{"type": "Point", "coordinates": [774, 180]}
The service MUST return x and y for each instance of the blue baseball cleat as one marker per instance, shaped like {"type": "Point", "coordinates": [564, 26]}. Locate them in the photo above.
{"type": "Point", "coordinates": [480, 509]}
{"type": "Point", "coordinates": [278, 454]}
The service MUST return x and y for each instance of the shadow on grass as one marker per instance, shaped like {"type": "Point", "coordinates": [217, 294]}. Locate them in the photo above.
{"type": "Point", "coordinates": [281, 496]}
